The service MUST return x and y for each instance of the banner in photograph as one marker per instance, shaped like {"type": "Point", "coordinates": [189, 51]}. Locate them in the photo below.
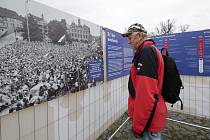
{"type": "Point", "coordinates": [95, 70]}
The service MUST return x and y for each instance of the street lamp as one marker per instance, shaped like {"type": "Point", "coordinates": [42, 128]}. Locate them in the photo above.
{"type": "Point", "coordinates": [26, 9]}
{"type": "Point", "coordinates": [15, 31]}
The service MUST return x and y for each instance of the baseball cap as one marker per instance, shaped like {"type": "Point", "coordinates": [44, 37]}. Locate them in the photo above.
{"type": "Point", "coordinates": [136, 27]}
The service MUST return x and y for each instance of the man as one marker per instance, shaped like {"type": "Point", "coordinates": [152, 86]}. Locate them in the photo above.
{"type": "Point", "coordinates": [145, 85]}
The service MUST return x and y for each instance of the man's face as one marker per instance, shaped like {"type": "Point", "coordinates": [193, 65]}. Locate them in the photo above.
{"type": "Point", "coordinates": [134, 39]}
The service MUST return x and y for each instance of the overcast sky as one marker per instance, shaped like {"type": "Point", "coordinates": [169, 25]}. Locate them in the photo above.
{"type": "Point", "coordinates": [119, 14]}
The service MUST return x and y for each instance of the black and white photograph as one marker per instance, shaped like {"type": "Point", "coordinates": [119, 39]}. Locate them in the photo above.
{"type": "Point", "coordinates": [44, 53]}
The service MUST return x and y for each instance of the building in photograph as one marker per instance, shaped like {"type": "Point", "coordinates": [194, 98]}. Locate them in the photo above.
{"type": "Point", "coordinates": [78, 32]}
{"type": "Point", "coordinates": [42, 23]}
{"type": "Point", "coordinates": [3, 26]}
{"type": "Point", "coordinates": [10, 21]}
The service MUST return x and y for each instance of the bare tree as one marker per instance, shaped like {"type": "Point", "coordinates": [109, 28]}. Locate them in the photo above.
{"type": "Point", "coordinates": [184, 28]}
{"type": "Point", "coordinates": [152, 34]}
{"type": "Point", "coordinates": [167, 27]}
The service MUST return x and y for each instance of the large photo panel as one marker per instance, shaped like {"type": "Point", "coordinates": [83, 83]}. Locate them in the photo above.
{"type": "Point", "coordinates": [45, 53]}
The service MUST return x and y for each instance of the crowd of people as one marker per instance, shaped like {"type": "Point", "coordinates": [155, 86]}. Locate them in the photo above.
{"type": "Point", "coordinates": [34, 72]}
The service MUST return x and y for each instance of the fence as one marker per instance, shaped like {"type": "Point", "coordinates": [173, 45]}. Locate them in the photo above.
{"type": "Point", "coordinates": [195, 96]}
{"type": "Point", "coordinates": [87, 114]}
{"type": "Point", "coordinates": [192, 123]}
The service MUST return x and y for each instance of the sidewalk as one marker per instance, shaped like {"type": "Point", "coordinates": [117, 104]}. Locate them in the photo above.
{"type": "Point", "coordinates": [173, 130]}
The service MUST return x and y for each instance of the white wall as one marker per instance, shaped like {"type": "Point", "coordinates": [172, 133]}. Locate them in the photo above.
{"type": "Point", "coordinates": [79, 116]}
{"type": "Point", "coordinates": [86, 114]}
{"type": "Point", "coordinates": [195, 96]}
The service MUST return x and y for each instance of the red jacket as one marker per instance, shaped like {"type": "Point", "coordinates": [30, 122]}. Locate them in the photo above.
{"type": "Point", "coordinates": [145, 80]}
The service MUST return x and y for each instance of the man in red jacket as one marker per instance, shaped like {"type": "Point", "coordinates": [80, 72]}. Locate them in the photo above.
{"type": "Point", "coordinates": [146, 107]}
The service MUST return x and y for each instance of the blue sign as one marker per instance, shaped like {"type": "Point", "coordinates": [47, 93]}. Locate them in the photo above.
{"type": "Point", "coordinates": [206, 38]}
{"type": "Point", "coordinates": [119, 55]}
{"type": "Point", "coordinates": [95, 70]}
{"type": "Point", "coordinates": [191, 51]}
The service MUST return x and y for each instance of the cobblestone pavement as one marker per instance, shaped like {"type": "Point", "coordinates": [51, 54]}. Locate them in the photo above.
{"type": "Point", "coordinates": [173, 130]}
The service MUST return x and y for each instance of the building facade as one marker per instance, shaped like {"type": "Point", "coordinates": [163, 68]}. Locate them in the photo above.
{"type": "Point", "coordinates": [10, 21]}
{"type": "Point", "coordinates": [42, 25]}
{"type": "Point", "coordinates": [79, 32]}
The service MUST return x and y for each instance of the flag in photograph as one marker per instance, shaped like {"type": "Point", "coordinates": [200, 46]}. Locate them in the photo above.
{"type": "Point", "coordinates": [62, 38]}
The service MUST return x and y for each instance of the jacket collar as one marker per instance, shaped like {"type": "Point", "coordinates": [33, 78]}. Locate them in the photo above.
{"type": "Point", "coordinates": [146, 42]}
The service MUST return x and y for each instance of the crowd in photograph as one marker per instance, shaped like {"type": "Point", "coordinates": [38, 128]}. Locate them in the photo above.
{"type": "Point", "coordinates": [34, 72]}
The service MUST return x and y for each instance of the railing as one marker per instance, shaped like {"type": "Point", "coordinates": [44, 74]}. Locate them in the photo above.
{"type": "Point", "coordinates": [87, 114]}
{"type": "Point", "coordinates": [194, 119]}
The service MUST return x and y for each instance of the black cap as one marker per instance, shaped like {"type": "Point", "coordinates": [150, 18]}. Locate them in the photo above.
{"type": "Point", "coordinates": [134, 28]}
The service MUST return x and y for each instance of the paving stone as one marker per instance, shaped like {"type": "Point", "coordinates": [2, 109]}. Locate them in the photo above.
{"type": "Point", "coordinates": [173, 130]}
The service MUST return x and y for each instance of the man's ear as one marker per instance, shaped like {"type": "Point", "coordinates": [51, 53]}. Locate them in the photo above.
{"type": "Point", "coordinates": [139, 34]}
